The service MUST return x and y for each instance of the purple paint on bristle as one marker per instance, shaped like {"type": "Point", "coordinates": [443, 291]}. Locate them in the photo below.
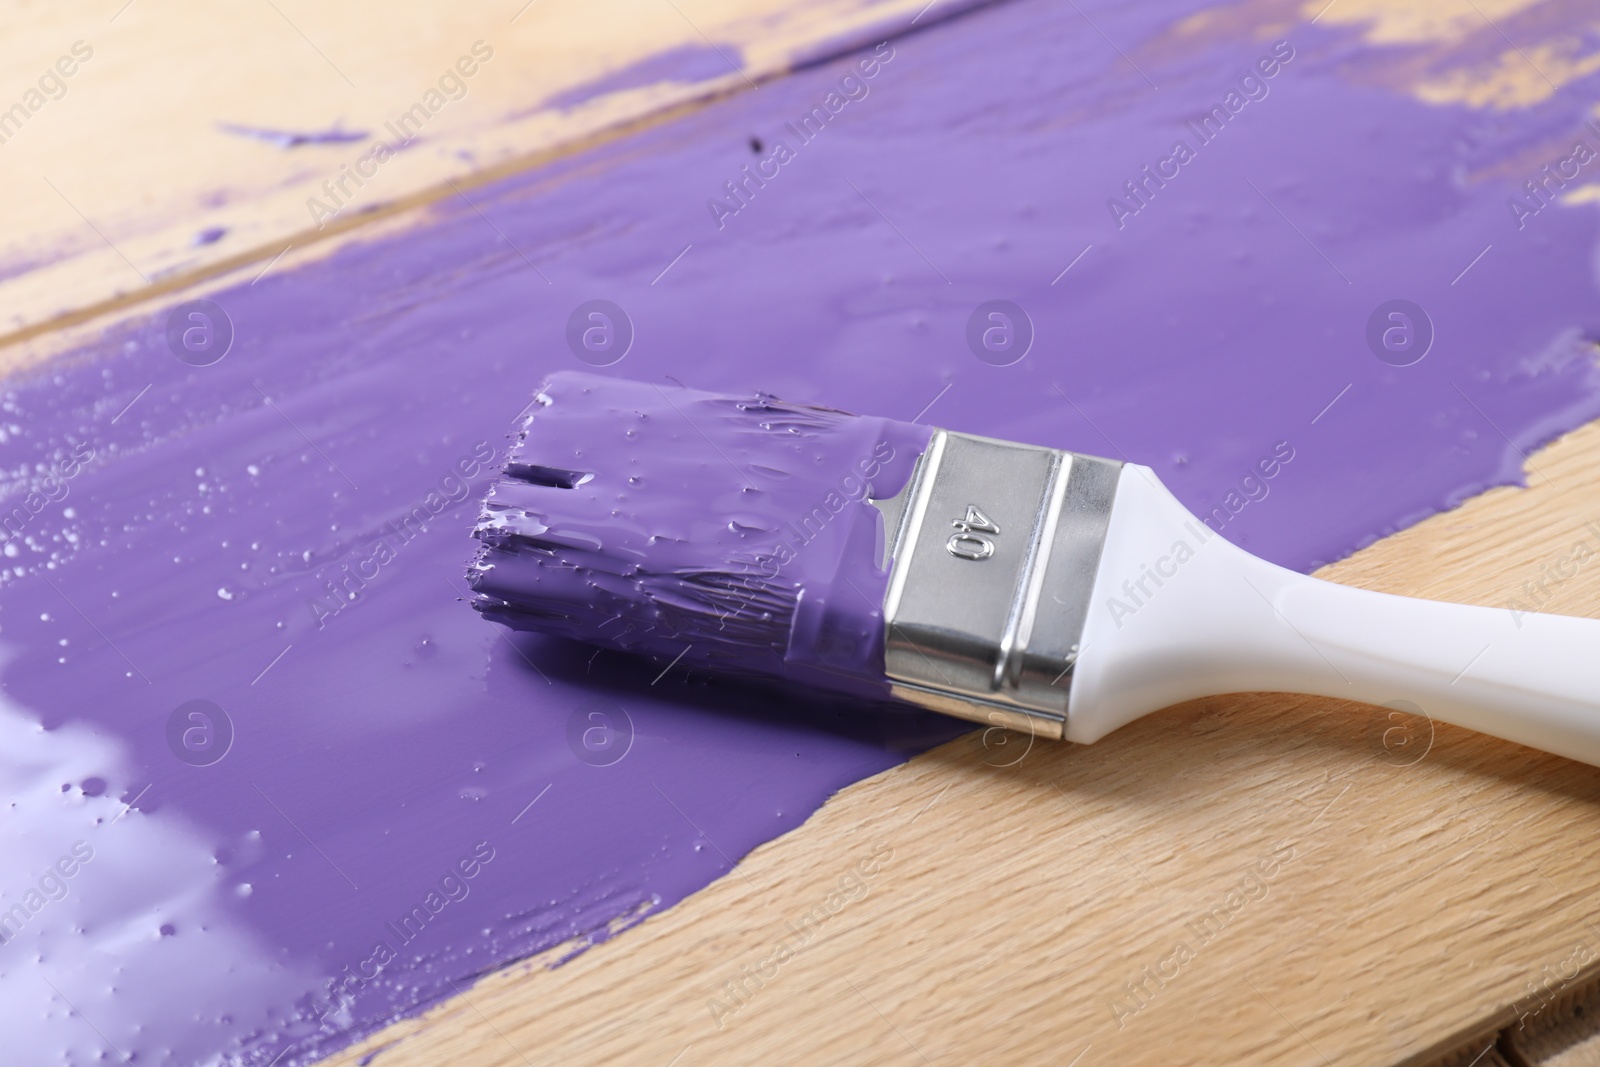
{"type": "Point", "coordinates": [716, 531]}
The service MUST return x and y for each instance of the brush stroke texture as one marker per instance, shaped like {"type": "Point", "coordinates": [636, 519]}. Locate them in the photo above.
{"type": "Point", "coordinates": [380, 747]}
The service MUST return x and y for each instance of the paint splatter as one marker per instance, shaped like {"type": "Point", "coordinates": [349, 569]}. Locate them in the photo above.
{"type": "Point", "coordinates": [287, 139]}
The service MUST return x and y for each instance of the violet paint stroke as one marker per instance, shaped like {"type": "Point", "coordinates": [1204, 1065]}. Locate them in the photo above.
{"type": "Point", "coordinates": [399, 808]}
{"type": "Point", "coordinates": [287, 139]}
{"type": "Point", "coordinates": [687, 64]}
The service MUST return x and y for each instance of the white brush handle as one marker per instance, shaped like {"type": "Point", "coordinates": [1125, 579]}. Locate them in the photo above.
{"type": "Point", "coordinates": [1179, 613]}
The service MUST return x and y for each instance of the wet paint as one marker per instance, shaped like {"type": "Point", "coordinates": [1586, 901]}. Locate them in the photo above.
{"type": "Point", "coordinates": [282, 533]}
{"type": "Point", "coordinates": [733, 534]}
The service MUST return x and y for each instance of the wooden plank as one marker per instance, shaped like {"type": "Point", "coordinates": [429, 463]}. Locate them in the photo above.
{"type": "Point", "coordinates": [1562, 1028]}
{"type": "Point", "coordinates": [1349, 887]}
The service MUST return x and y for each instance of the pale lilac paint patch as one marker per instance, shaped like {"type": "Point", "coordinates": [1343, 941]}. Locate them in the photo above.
{"type": "Point", "coordinates": [385, 744]}
{"type": "Point", "coordinates": [685, 65]}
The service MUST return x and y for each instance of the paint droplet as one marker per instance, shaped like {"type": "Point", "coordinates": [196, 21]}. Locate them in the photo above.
{"type": "Point", "coordinates": [93, 787]}
{"type": "Point", "coordinates": [224, 594]}
{"type": "Point", "coordinates": [243, 889]}
{"type": "Point", "coordinates": [167, 929]}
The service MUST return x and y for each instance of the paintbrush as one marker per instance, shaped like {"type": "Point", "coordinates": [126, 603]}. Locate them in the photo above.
{"type": "Point", "coordinates": [1046, 591]}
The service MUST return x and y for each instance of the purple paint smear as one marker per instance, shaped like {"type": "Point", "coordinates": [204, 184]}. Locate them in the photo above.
{"type": "Point", "coordinates": [383, 750]}
{"type": "Point", "coordinates": [685, 65]}
{"type": "Point", "coordinates": [287, 139]}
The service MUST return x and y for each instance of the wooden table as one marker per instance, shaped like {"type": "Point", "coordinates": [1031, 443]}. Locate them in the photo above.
{"type": "Point", "coordinates": [1250, 879]}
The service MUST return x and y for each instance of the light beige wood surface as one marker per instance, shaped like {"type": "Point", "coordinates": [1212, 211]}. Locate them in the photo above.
{"type": "Point", "coordinates": [1377, 890]}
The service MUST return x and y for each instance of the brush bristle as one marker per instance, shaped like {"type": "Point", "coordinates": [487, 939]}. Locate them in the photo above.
{"type": "Point", "coordinates": [732, 532]}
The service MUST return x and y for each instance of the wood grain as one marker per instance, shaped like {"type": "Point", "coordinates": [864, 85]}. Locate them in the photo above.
{"type": "Point", "coordinates": [1413, 885]}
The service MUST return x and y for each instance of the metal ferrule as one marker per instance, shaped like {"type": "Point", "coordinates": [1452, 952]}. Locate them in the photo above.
{"type": "Point", "coordinates": [994, 548]}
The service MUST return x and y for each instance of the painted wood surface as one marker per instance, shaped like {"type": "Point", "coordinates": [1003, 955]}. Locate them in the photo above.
{"type": "Point", "coordinates": [118, 175]}
{"type": "Point", "coordinates": [1253, 879]}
